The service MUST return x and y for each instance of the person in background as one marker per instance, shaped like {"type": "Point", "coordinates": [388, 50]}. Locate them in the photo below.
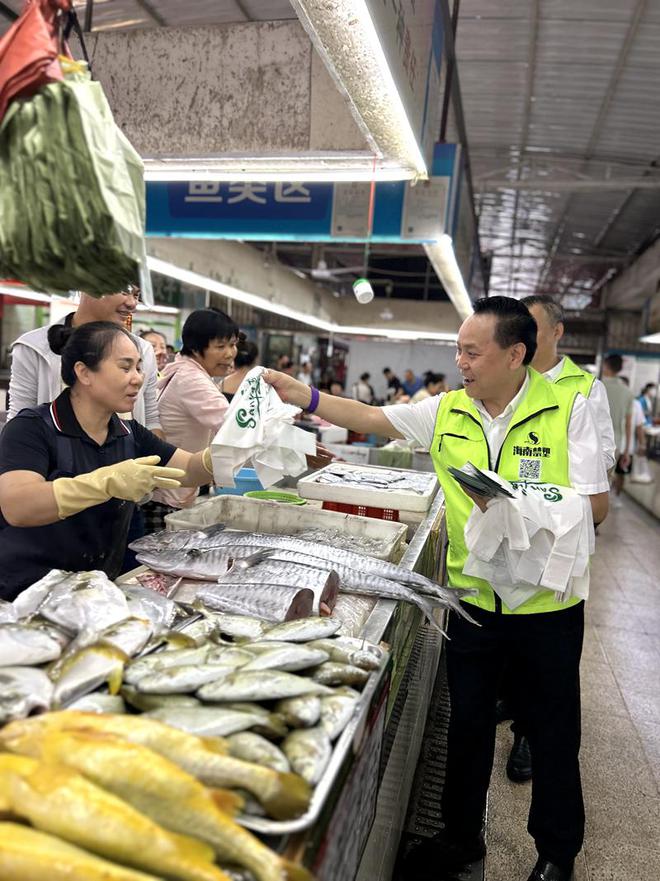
{"type": "Point", "coordinates": [620, 399]}
{"type": "Point", "coordinates": [411, 383]}
{"type": "Point", "coordinates": [393, 384]}
{"type": "Point", "coordinates": [170, 353]}
{"type": "Point", "coordinates": [549, 318]}
{"type": "Point", "coordinates": [337, 389]}
{"type": "Point", "coordinates": [286, 365]}
{"type": "Point", "coordinates": [434, 384]}
{"type": "Point", "coordinates": [305, 373]}
{"type": "Point", "coordinates": [192, 407]}
{"type": "Point", "coordinates": [36, 368]}
{"type": "Point", "coordinates": [247, 354]}
{"type": "Point", "coordinates": [159, 343]}
{"type": "Point", "coordinates": [362, 390]}
{"type": "Point", "coordinates": [646, 399]}
{"type": "Point", "coordinates": [71, 470]}
{"type": "Point", "coordinates": [487, 422]}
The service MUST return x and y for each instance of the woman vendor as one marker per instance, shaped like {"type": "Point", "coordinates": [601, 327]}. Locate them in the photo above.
{"type": "Point", "coordinates": [71, 471]}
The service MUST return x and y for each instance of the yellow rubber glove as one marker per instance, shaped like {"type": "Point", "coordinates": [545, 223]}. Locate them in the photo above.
{"type": "Point", "coordinates": [129, 480]}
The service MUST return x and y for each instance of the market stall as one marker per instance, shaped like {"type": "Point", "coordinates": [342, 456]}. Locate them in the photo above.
{"type": "Point", "coordinates": [325, 827]}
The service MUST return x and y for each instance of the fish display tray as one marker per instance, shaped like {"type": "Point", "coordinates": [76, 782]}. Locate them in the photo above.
{"type": "Point", "coordinates": [395, 499]}
{"type": "Point", "coordinates": [259, 515]}
{"type": "Point", "coordinates": [353, 739]}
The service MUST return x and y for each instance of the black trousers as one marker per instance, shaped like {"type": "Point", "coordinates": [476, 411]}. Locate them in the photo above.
{"type": "Point", "coordinates": [543, 653]}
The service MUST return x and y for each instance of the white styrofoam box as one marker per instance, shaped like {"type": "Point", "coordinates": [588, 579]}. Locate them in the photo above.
{"type": "Point", "coordinates": [395, 499]}
{"type": "Point", "coordinates": [262, 515]}
{"type": "Point", "coordinates": [351, 453]}
{"type": "Point", "coordinates": [333, 434]}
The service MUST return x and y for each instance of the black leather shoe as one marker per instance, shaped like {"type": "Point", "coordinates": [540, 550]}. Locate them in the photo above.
{"type": "Point", "coordinates": [519, 765]}
{"type": "Point", "coordinates": [544, 870]}
{"type": "Point", "coordinates": [436, 856]}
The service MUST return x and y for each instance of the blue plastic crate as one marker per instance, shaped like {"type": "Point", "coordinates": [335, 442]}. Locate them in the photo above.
{"type": "Point", "coordinates": [246, 481]}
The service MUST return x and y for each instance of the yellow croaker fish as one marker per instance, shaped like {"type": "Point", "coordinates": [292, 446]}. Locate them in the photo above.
{"type": "Point", "coordinates": [284, 796]}
{"type": "Point", "coordinates": [28, 855]}
{"type": "Point", "coordinates": [60, 802]}
{"type": "Point", "coordinates": [161, 790]}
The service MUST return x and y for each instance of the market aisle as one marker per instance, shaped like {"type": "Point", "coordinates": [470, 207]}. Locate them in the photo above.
{"type": "Point", "coordinates": [621, 719]}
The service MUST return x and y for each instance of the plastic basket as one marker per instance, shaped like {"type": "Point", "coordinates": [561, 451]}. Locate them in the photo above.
{"type": "Point", "coordinates": [246, 480]}
{"type": "Point", "coordinates": [363, 511]}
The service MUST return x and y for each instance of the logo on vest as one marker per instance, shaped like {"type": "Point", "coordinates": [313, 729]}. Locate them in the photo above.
{"type": "Point", "coordinates": [532, 438]}
{"type": "Point", "coordinates": [532, 452]}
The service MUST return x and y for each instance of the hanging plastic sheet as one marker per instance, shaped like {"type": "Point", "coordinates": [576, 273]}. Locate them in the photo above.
{"type": "Point", "coordinates": [72, 204]}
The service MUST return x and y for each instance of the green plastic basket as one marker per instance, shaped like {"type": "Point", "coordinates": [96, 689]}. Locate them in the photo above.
{"type": "Point", "coordinates": [273, 496]}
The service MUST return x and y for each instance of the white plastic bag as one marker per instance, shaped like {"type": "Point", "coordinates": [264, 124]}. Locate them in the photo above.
{"type": "Point", "coordinates": [258, 429]}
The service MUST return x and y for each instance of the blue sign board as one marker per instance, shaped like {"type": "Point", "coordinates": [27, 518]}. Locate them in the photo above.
{"type": "Point", "coordinates": [285, 210]}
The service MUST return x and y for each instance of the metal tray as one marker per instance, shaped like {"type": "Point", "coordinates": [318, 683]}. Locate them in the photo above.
{"type": "Point", "coordinates": [350, 739]}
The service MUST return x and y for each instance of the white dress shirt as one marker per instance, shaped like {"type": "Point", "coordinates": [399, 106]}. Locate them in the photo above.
{"type": "Point", "coordinates": [587, 472]}
{"type": "Point", "coordinates": [601, 410]}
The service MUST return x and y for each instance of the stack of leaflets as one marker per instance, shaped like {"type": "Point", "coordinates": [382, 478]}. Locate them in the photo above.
{"type": "Point", "coordinates": [473, 479]}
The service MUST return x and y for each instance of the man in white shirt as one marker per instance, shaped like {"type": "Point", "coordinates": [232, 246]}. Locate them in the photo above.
{"type": "Point", "coordinates": [507, 418]}
{"type": "Point", "coordinates": [549, 319]}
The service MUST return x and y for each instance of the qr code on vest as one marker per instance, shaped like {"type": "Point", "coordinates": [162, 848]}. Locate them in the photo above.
{"type": "Point", "coordinates": [529, 469]}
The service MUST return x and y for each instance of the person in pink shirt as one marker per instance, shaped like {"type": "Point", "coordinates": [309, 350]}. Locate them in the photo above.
{"type": "Point", "coordinates": [190, 404]}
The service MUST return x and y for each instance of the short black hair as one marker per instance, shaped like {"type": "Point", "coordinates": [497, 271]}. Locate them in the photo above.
{"type": "Point", "coordinates": [431, 378]}
{"type": "Point", "coordinates": [514, 323]}
{"type": "Point", "coordinates": [246, 354]}
{"type": "Point", "coordinates": [202, 327]}
{"type": "Point", "coordinates": [150, 332]}
{"type": "Point", "coordinates": [648, 386]}
{"type": "Point", "coordinates": [365, 377]}
{"type": "Point", "coordinates": [614, 362]}
{"type": "Point", "coordinates": [552, 309]}
{"type": "Point", "coordinates": [88, 343]}
{"type": "Point", "coordinates": [386, 370]}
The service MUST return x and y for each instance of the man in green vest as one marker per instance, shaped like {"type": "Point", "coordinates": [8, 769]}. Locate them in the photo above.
{"type": "Point", "coordinates": [508, 418]}
{"type": "Point", "coordinates": [549, 319]}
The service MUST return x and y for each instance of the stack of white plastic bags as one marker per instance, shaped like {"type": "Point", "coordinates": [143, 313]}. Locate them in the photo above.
{"type": "Point", "coordinates": [540, 539]}
{"type": "Point", "coordinates": [258, 428]}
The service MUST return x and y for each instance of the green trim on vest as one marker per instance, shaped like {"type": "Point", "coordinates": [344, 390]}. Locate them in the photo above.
{"type": "Point", "coordinates": [572, 376]}
{"type": "Point", "coordinates": [535, 448]}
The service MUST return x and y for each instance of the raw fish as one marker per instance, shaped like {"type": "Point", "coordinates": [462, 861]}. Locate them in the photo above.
{"type": "Point", "coordinates": [271, 602]}
{"type": "Point", "coordinates": [28, 855]}
{"type": "Point", "coordinates": [252, 747]}
{"type": "Point", "coordinates": [308, 751]}
{"type": "Point", "coordinates": [61, 802]}
{"type": "Point", "coordinates": [284, 796]}
{"type": "Point", "coordinates": [259, 685]}
{"type": "Point", "coordinates": [23, 690]}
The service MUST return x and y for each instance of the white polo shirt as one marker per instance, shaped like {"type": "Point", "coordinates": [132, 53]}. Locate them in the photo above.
{"type": "Point", "coordinates": [586, 469]}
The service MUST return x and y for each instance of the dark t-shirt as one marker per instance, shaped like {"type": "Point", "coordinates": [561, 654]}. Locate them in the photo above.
{"type": "Point", "coordinates": [56, 446]}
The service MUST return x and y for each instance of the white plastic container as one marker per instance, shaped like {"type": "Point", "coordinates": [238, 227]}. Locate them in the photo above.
{"type": "Point", "coordinates": [372, 497]}
{"type": "Point", "coordinates": [262, 515]}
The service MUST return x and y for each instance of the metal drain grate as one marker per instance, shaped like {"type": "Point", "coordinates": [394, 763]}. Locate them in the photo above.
{"type": "Point", "coordinates": [424, 816]}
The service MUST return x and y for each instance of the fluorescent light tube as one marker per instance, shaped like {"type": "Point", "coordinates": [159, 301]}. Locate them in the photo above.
{"type": "Point", "coordinates": [443, 259]}
{"type": "Point", "coordinates": [209, 284]}
{"type": "Point", "coordinates": [653, 338]}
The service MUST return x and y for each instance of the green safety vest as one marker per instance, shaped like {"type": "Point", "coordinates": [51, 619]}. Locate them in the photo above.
{"type": "Point", "coordinates": [572, 376]}
{"type": "Point", "coordinates": [535, 449]}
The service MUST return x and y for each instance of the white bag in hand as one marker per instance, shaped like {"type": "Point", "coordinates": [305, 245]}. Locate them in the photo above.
{"type": "Point", "coordinates": [258, 429]}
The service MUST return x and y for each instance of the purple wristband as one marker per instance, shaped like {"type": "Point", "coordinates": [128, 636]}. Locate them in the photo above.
{"type": "Point", "coordinates": [316, 398]}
